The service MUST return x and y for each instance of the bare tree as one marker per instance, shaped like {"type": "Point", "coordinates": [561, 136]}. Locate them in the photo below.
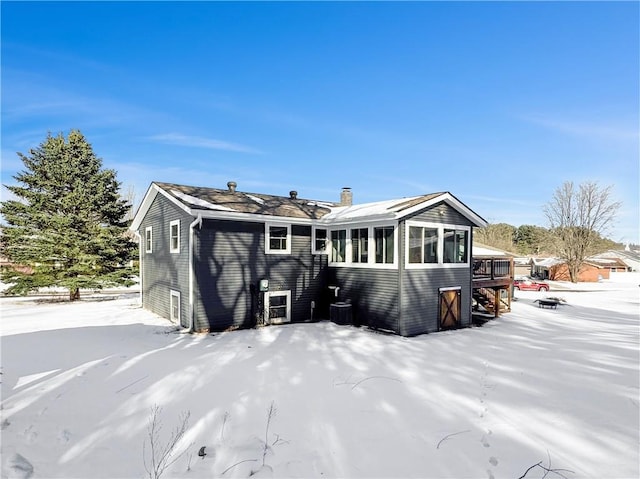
{"type": "Point", "coordinates": [130, 197]}
{"type": "Point", "coordinates": [577, 218]}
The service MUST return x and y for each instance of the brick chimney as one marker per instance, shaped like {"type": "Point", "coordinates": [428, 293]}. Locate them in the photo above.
{"type": "Point", "coordinates": [346, 197]}
{"type": "Point", "coordinates": [232, 186]}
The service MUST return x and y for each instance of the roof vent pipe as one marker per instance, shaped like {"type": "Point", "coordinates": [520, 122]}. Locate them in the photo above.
{"type": "Point", "coordinates": [232, 186]}
{"type": "Point", "coordinates": [293, 194]}
{"type": "Point", "coordinates": [346, 197]}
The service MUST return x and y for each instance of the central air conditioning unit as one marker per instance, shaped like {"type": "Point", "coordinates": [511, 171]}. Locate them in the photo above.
{"type": "Point", "coordinates": [340, 313]}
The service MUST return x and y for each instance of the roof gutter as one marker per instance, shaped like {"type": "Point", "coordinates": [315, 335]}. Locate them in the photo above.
{"type": "Point", "coordinates": [192, 226]}
{"type": "Point", "coordinates": [138, 236]}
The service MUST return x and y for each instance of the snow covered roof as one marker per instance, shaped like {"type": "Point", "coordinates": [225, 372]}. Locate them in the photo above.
{"type": "Point", "coordinates": [378, 208]}
{"type": "Point", "coordinates": [548, 262]}
{"type": "Point", "coordinates": [399, 208]}
{"type": "Point", "coordinates": [594, 261]}
{"type": "Point", "coordinates": [232, 204]}
{"type": "Point", "coordinates": [480, 249]}
{"type": "Point", "coordinates": [196, 200]}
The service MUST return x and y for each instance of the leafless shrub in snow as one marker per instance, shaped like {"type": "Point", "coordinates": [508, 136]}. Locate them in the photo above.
{"type": "Point", "coordinates": [271, 413]}
{"type": "Point", "coordinates": [237, 464]}
{"type": "Point", "coordinates": [354, 385]}
{"type": "Point", "coordinates": [159, 455]}
{"type": "Point", "coordinates": [548, 470]}
{"type": "Point", "coordinates": [449, 436]}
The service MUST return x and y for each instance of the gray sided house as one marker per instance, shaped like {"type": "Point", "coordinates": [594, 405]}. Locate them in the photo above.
{"type": "Point", "coordinates": [213, 259]}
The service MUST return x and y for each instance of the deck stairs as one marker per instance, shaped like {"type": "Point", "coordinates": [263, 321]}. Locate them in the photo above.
{"type": "Point", "coordinates": [492, 285]}
{"type": "Point", "coordinates": [484, 300]}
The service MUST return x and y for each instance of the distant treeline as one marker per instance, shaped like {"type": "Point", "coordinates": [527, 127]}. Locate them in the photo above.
{"type": "Point", "coordinates": [529, 239]}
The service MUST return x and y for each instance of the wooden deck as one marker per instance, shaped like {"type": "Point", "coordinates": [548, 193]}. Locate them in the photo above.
{"type": "Point", "coordinates": [492, 283]}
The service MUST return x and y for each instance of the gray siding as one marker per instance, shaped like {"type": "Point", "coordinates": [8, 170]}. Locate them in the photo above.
{"type": "Point", "coordinates": [432, 214]}
{"type": "Point", "coordinates": [419, 296]}
{"type": "Point", "coordinates": [162, 270]}
{"type": "Point", "coordinates": [373, 294]}
{"type": "Point", "coordinates": [230, 261]}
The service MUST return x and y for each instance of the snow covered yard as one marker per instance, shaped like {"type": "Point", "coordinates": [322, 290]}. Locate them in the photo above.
{"type": "Point", "coordinates": [556, 386]}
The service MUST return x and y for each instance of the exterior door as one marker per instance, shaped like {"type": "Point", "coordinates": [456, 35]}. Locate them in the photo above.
{"type": "Point", "coordinates": [450, 307]}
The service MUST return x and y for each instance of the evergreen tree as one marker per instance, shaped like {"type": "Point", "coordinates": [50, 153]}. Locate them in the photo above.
{"type": "Point", "coordinates": [66, 228]}
{"type": "Point", "coordinates": [531, 239]}
{"type": "Point", "coordinates": [496, 235]}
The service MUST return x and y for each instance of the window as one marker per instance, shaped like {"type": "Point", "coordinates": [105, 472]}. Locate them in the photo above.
{"type": "Point", "coordinates": [174, 236]}
{"type": "Point", "coordinates": [339, 246]}
{"type": "Point", "coordinates": [319, 241]}
{"type": "Point", "coordinates": [423, 244]}
{"type": "Point", "coordinates": [174, 306]}
{"type": "Point", "coordinates": [148, 239]}
{"type": "Point", "coordinates": [277, 307]}
{"type": "Point", "coordinates": [436, 245]}
{"type": "Point", "coordinates": [278, 239]}
{"type": "Point", "coordinates": [384, 242]}
{"type": "Point", "coordinates": [359, 245]}
{"type": "Point", "coordinates": [455, 246]}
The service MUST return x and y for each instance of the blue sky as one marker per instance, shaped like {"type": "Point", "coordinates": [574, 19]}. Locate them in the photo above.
{"type": "Point", "coordinates": [497, 102]}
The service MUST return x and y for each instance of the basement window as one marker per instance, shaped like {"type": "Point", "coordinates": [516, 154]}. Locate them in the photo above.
{"type": "Point", "coordinates": [277, 307]}
{"type": "Point", "coordinates": [174, 306]}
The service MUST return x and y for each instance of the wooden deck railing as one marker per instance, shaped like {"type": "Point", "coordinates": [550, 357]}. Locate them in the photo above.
{"type": "Point", "coordinates": [493, 279]}
{"type": "Point", "coordinates": [492, 268]}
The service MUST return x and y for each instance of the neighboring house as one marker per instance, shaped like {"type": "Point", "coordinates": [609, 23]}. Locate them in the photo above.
{"type": "Point", "coordinates": [213, 259]}
{"type": "Point", "coordinates": [522, 266]}
{"type": "Point", "coordinates": [5, 263]}
{"type": "Point", "coordinates": [630, 259]}
{"type": "Point", "coordinates": [555, 269]}
{"type": "Point", "coordinates": [614, 265]}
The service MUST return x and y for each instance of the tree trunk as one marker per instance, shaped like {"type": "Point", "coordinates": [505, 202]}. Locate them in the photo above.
{"type": "Point", "coordinates": [74, 294]}
{"type": "Point", "coordinates": [574, 273]}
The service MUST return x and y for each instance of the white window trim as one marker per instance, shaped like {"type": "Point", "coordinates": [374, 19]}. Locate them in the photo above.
{"type": "Point", "coordinates": [325, 250]}
{"type": "Point", "coordinates": [350, 241]}
{"type": "Point", "coordinates": [267, 238]}
{"type": "Point", "coordinates": [347, 246]}
{"type": "Point", "coordinates": [267, 296]}
{"type": "Point", "coordinates": [148, 246]}
{"type": "Point", "coordinates": [371, 257]}
{"type": "Point", "coordinates": [174, 294]}
{"type": "Point", "coordinates": [171, 225]}
{"type": "Point", "coordinates": [440, 227]}
{"type": "Point", "coordinates": [467, 246]}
